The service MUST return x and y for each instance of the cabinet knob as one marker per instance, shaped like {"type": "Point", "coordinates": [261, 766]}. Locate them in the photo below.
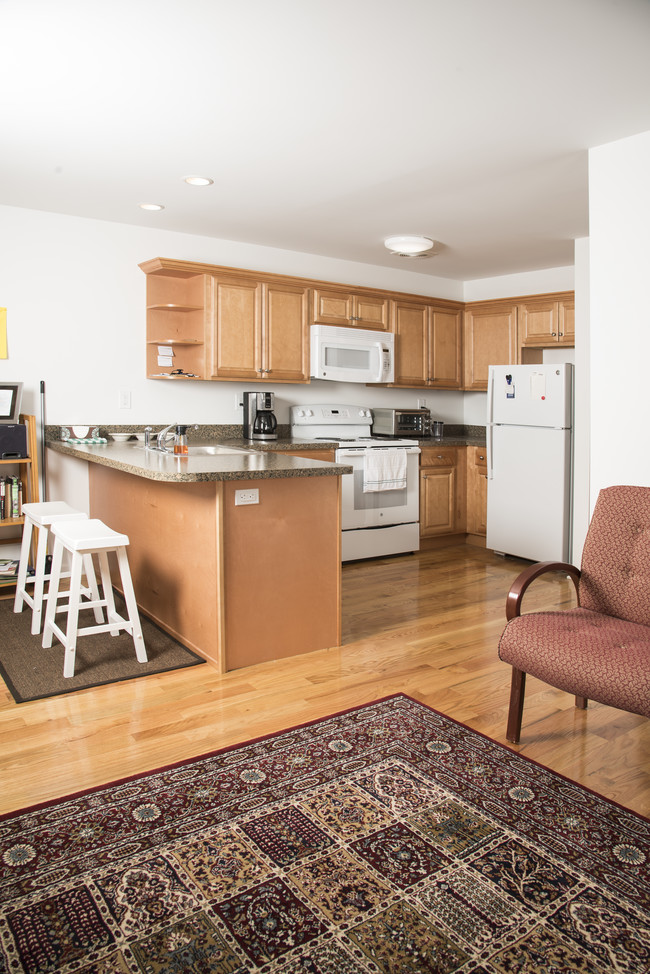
{"type": "Point", "coordinates": [553, 334]}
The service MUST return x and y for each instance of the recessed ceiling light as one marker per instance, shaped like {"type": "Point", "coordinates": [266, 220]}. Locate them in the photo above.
{"type": "Point", "coordinates": [151, 206]}
{"type": "Point", "coordinates": [409, 245]}
{"type": "Point", "coordinates": [199, 180]}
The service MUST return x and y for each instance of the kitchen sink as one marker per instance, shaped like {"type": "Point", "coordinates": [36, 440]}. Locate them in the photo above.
{"type": "Point", "coordinates": [207, 450]}
{"type": "Point", "coordinates": [213, 450]}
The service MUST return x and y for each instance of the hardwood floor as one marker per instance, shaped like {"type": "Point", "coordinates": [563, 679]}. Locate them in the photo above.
{"type": "Point", "coordinates": [426, 625]}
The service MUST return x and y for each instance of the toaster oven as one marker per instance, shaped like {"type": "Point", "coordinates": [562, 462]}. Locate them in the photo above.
{"type": "Point", "coordinates": [401, 422]}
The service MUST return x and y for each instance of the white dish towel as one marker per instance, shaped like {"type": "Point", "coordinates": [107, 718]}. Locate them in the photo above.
{"type": "Point", "coordinates": [384, 470]}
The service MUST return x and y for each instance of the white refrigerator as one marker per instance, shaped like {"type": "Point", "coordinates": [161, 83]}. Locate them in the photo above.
{"type": "Point", "coordinates": [530, 461]}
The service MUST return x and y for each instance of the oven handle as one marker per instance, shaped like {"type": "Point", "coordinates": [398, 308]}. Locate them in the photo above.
{"type": "Point", "coordinates": [362, 452]}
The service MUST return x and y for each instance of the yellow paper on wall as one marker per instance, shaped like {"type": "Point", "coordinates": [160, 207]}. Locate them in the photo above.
{"type": "Point", "coordinates": [3, 333]}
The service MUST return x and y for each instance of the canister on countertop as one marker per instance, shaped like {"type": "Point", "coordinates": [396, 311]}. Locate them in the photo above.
{"type": "Point", "coordinates": [437, 429]}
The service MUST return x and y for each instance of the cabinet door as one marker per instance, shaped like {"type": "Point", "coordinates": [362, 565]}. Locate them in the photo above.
{"type": "Point", "coordinates": [237, 334]}
{"type": "Point", "coordinates": [538, 323]}
{"type": "Point", "coordinates": [490, 339]}
{"type": "Point", "coordinates": [331, 307]}
{"type": "Point", "coordinates": [351, 309]}
{"type": "Point", "coordinates": [477, 491]}
{"type": "Point", "coordinates": [566, 322]}
{"type": "Point", "coordinates": [445, 348]}
{"type": "Point", "coordinates": [410, 325]}
{"type": "Point", "coordinates": [285, 333]}
{"type": "Point", "coordinates": [371, 311]}
{"type": "Point", "coordinates": [437, 501]}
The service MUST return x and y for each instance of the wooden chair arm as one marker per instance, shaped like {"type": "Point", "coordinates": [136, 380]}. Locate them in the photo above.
{"type": "Point", "coordinates": [523, 580]}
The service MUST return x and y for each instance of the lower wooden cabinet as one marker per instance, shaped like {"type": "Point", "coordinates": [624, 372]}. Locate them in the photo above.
{"type": "Point", "coordinates": [442, 491]}
{"type": "Point", "coordinates": [453, 492]}
{"type": "Point", "coordinates": [477, 490]}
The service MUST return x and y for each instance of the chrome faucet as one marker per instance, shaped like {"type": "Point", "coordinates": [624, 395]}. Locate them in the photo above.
{"type": "Point", "coordinates": [161, 439]}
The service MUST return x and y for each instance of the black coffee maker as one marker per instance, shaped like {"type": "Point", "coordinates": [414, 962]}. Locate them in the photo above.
{"type": "Point", "coordinates": [259, 419]}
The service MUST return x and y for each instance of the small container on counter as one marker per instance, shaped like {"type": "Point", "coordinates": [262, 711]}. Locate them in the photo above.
{"type": "Point", "coordinates": [180, 442]}
{"type": "Point", "coordinates": [437, 429]}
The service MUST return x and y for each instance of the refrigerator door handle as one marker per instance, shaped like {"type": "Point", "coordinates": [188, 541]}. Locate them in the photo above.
{"type": "Point", "coordinates": [488, 443]}
{"type": "Point", "coordinates": [490, 397]}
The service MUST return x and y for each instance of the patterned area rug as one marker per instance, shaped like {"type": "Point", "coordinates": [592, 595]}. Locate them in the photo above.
{"type": "Point", "coordinates": [386, 839]}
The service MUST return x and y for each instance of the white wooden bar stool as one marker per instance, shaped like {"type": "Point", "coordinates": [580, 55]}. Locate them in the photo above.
{"type": "Point", "coordinates": [41, 517]}
{"type": "Point", "coordinates": [85, 538]}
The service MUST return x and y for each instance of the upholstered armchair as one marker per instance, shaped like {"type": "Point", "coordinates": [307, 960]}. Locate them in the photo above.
{"type": "Point", "coordinates": [599, 650]}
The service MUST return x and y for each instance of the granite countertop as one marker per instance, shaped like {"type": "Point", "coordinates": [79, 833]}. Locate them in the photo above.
{"type": "Point", "coordinates": [249, 464]}
{"type": "Point", "coordinates": [256, 460]}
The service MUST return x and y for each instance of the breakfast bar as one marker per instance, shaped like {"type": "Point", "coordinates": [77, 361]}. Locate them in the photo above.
{"type": "Point", "coordinates": [234, 552]}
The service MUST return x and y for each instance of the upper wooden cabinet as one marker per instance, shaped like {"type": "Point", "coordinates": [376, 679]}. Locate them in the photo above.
{"type": "Point", "coordinates": [260, 331]}
{"type": "Point", "coordinates": [427, 344]}
{"type": "Point", "coordinates": [546, 321]}
{"type": "Point", "coordinates": [490, 339]}
{"type": "Point", "coordinates": [223, 323]}
{"type": "Point", "coordinates": [227, 323]}
{"type": "Point", "coordinates": [352, 309]}
{"type": "Point", "coordinates": [178, 319]}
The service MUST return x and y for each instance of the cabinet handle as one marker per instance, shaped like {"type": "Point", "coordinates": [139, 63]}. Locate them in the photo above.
{"type": "Point", "coordinates": [561, 334]}
{"type": "Point", "coordinates": [553, 334]}
{"type": "Point", "coordinates": [481, 458]}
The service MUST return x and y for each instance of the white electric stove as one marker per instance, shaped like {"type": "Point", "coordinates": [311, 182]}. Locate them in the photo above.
{"type": "Point", "coordinates": [377, 518]}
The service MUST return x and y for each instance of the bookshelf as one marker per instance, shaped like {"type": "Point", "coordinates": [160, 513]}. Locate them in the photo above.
{"type": "Point", "coordinates": [28, 472]}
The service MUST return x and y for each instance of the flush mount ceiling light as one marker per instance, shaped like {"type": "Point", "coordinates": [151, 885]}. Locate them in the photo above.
{"type": "Point", "coordinates": [151, 206]}
{"type": "Point", "coordinates": [409, 245]}
{"type": "Point", "coordinates": [199, 181]}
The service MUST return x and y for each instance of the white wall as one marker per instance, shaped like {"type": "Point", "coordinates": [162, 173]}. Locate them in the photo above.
{"type": "Point", "coordinates": [619, 216]}
{"type": "Point", "coordinates": [76, 319]}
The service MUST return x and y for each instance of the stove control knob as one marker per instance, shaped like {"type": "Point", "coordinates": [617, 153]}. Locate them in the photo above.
{"type": "Point", "coordinates": [300, 412]}
{"type": "Point", "coordinates": [309, 412]}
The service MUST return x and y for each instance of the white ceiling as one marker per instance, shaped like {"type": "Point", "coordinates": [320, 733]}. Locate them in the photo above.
{"type": "Point", "coordinates": [327, 125]}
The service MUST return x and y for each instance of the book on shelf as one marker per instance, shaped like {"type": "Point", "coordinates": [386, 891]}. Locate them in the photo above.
{"type": "Point", "coordinates": [11, 498]}
{"type": "Point", "coordinates": [8, 568]}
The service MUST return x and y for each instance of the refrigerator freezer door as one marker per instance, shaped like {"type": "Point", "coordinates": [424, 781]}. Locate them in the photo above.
{"type": "Point", "coordinates": [529, 493]}
{"type": "Point", "coordinates": [530, 395]}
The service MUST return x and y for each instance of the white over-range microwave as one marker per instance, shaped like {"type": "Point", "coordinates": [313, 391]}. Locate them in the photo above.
{"type": "Point", "coordinates": [352, 354]}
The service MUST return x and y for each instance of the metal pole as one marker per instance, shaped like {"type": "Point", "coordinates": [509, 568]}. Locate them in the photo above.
{"type": "Point", "coordinates": [43, 470]}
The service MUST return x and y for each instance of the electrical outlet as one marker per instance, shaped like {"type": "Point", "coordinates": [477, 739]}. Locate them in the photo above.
{"type": "Point", "coordinates": [125, 398]}
{"type": "Point", "coordinates": [422, 403]}
{"type": "Point", "coordinates": [238, 401]}
{"type": "Point", "coordinates": [247, 497]}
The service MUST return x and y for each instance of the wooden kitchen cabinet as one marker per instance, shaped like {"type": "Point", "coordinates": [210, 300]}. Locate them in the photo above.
{"type": "Point", "coordinates": [427, 345]}
{"type": "Point", "coordinates": [442, 491]}
{"type": "Point", "coordinates": [547, 321]}
{"type": "Point", "coordinates": [477, 491]}
{"type": "Point", "coordinates": [350, 309]}
{"type": "Point", "coordinates": [490, 334]}
{"type": "Point", "coordinates": [260, 331]}
{"type": "Point", "coordinates": [178, 318]}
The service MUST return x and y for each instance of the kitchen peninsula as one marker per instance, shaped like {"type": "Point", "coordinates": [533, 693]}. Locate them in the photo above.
{"type": "Point", "coordinates": [239, 582]}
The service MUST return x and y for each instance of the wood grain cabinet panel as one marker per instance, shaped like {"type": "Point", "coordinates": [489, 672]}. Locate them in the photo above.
{"type": "Point", "coordinates": [546, 321]}
{"type": "Point", "coordinates": [350, 309]}
{"type": "Point", "coordinates": [442, 491]}
{"type": "Point", "coordinates": [490, 339]}
{"type": "Point", "coordinates": [427, 345]}
{"type": "Point", "coordinates": [477, 490]}
{"type": "Point", "coordinates": [260, 331]}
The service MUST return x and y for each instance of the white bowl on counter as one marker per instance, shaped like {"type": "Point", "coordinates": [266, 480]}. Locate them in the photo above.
{"type": "Point", "coordinates": [120, 437]}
